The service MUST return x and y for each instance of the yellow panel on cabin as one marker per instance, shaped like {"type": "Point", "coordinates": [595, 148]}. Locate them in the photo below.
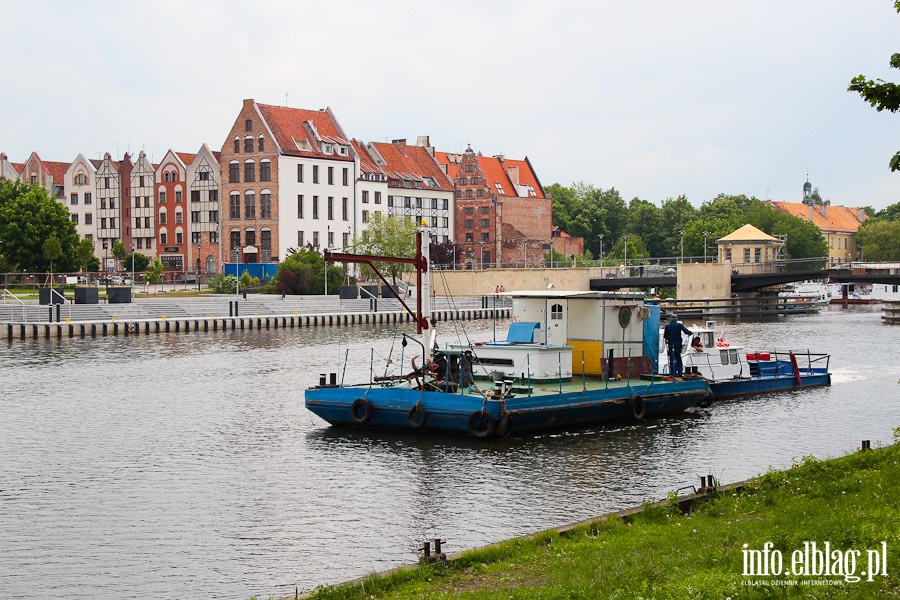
{"type": "Point", "coordinates": [593, 352]}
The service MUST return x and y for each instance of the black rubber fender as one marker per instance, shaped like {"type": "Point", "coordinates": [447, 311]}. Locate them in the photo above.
{"type": "Point", "coordinates": [361, 411]}
{"type": "Point", "coordinates": [707, 400]}
{"type": "Point", "coordinates": [481, 424]}
{"type": "Point", "coordinates": [417, 417]}
{"type": "Point", "coordinates": [638, 409]}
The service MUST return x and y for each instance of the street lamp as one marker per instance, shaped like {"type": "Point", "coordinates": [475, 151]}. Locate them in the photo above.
{"type": "Point", "coordinates": [481, 259]}
{"type": "Point", "coordinates": [526, 253]}
{"type": "Point", "coordinates": [705, 233]}
{"type": "Point", "coordinates": [132, 268]}
{"type": "Point", "coordinates": [327, 239]}
{"type": "Point", "coordinates": [601, 253]}
{"type": "Point", "coordinates": [682, 244]}
{"type": "Point", "coordinates": [625, 237]}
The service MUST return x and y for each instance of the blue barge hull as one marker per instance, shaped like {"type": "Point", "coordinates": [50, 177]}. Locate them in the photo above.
{"type": "Point", "coordinates": [374, 407]}
{"type": "Point", "coordinates": [731, 388]}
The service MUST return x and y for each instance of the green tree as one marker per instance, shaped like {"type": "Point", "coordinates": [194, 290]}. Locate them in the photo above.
{"type": "Point", "coordinates": [675, 215]}
{"type": "Point", "coordinates": [135, 261]}
{"type": "Point", "coordinates": [645, 221]}
{"type": "Point", "coordinates": [29, 216]}
{"type": "Point", "coordinates": [153, 272]}
{"type": "Point", "coordinates": [52, 249]}
{"type": "Point", "coordinates": [84, 252]}
{"type": "Point", "coordinates": [880, 94]}
{"type": "Point", "coordinates": [119, 251]}
{"type": "Point", "coordinates": [393, 236]}
{"type": "Point", "coordinates": [303, 273]}
{"type": "Point", "coordinates": [880, 240]}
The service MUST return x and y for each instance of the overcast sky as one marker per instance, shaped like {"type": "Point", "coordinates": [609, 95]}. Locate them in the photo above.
{"type": "Point", "coordinates": [655, 99]}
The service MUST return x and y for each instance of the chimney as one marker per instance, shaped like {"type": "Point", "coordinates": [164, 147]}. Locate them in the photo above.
{"type": "Point", "coordinates": [823, 208]}
{"type": "Point", "coordinates": [401, 143]}
{"type": "Point", "coordinates": [513, 173]}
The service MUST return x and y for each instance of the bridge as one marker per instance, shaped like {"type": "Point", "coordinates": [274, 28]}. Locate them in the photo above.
{"type": "Point", "coordinates": [783, 272]}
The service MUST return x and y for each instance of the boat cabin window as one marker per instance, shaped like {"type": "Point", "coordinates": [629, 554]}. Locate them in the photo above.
{"type": "Point", "coordinates": [723, 356]}
{"type": "Point", "coordinates": [556, 311]}
{"type": "Point", "coordinates": [733, 357]}
{"type": "Point", "coordinates": [708, 338]}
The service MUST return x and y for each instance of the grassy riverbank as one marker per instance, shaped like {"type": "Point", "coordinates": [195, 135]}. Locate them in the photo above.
{"type": "Point", "coordinates": [853, 503]}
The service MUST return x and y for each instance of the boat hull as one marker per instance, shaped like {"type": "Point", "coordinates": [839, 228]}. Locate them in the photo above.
{"type": "Point", "coordinates": [733, 388]}
{"type": "Point", "coordinates": [463, 414]}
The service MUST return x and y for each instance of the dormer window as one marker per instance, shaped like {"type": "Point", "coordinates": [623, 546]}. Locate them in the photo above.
{"type": "Point", "coordinates": [327, 149]}
{"type": "Point", "coordinates": [499, 189]}
{"type": "Point", "coordinates": [302, 145]}
{"type": "Point", "coordinates": [342, 150]}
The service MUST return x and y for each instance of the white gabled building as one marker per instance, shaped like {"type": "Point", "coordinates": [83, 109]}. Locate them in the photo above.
{"type": "Point", "coordinates": [141, 207]}
{"type": "Point", "coordinates": [80, 185]}
{"type": "Point", "coordinates": [204, 182]}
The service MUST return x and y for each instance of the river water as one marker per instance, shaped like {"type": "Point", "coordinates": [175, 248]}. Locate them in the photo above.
{"type": "Point", "coordinates": [185, 465]}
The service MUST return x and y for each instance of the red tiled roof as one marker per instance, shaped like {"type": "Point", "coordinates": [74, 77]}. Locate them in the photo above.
{"type": "Point", "coordinates": [496, 170]}
{"type": "Point", "coordinates": [289, 124]}
{"type": "Point", "coordinates": [836, 218]}
{"type": "Point", "coordinates": [411, 162]}
{"type": "Point", "coordinates": [366, 163]}
{"type": "Point", "coordinates": [186, 157]}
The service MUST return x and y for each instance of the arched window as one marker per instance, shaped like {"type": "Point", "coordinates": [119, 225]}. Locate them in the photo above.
{"type": "Point", "coordinates": [162, 216]}
{"type": "Point", "coordinates": [179, 215]}
{"type": "Point", "coordinates": [210, 264]}
{"type": "Point", "coordinates": [261, 146]}
{"type": "Point", "coordinates": [556, 311]}
{"type": "Point", "coordinates": [166, 176]}
{"type": "Point", "coordinates": [237, 144]}
{"type": "Point", "coordinates": [163, 236]}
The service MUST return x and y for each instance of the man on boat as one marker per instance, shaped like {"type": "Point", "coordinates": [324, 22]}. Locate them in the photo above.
{"type": "Point", "coordinates": [672, 335]}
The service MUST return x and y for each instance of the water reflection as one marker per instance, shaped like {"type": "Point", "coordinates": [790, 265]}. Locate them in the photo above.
{"type": "Point", "coordinates": [186, 465]}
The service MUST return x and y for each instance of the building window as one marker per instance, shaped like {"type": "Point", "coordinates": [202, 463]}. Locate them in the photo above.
{"type": "Point", "coordinates": [88, 219]}
{"type": "Point", "coordinates": [195, 195]}
{"type": "Point", "coordinates": [346, 176]}
{"type": "Point", "coordinates": [315, 173]}
{"type": "Point", "coordinates": [178, 216]}
{"type": "Point", "coordinates": [365, 197]}
{"type": "Point", "coordinates": [265, 171]}
{"type": "Point", "coordinates": [88, 198]}
{"type": "Point", "coordinates": [250, 237]}
{"type": "Point", "coordinates": [261, 145]}
{"type": "Point", "coordinates": [480, 193]}
{"type": "Point", "coordinates": [468, 193]}
{"type": "Point", "coordinates": [469, 237]}
{"type": "Point", "coordinates": [299, 206]}
{"type": "Point", "coordinates": [365, 216]}
{"type": "Point", "coordinates": [73, 199]}
{"type": "Point", "coordinates": [485, 210]}
{"type": "Point", "coordinates": [213, 195]}
{"type": "Point", "coordinates": [234, 206]}
{"type": "Point", "coordinates": [74, 218]}
{"type": "Point", "coordinates": [469, 210]}
{"type": "Point", "coordinates": [485, 222]}
{"type": "Point", "coordinates": [213, 217]}
{"type": "Point", "coordinates": [469, 168]}
{"type": "Point", "coordinates": [162, 196]}
{"type": "Point", "coordinates": [299, 173]}
{"type": "Point", "coordinates": [330, 175]}
{"type": "Point", "coordinates": [377, 197]}
{"type": "Point", "coordinates": [344, 214]}
{"type": "Point", "coordinates": [757, 252]}
{"type": "Point", "coordinates": [250, 205]}
{"type": "Point", "coordinates": [203, 175]}
{"type": "Point", "coordinates": [162, 217]}
{"type": "Point", "coordinates": [163, 238]}
{"type": "Point", "coordinates": [250, 171]}
{"type": "Point", "coordinates": [300, 239]}
{"type": "Point", "coordinates": [746, 255]}
{"type": "Point", "coordinates": [234, 172]}
{"type": "Point", "coordinates": [178, 197]}
{"type": "Point", "coordinates": [248, 125]}
{"type": "Point", "coordinates": [315, 206]}
{"type": "Point", "coordinates": [330, 240]}
{"type": "Point", "coordinates": [195, 216]}
{"type": "Point", "coordinates": [265, 205]}
{"type": "Point", "coordinates": [248, 144]}
{"type": "Point", "coordinates": [315, 239]}
{"type": "Point", "coordinates": [330, 207]}
{"type": "Point", "coordinates": [146, 222]}
{"type": "Point", "coordinates": [469, 224]}
{"type": "Point", "coordinates": [237, 145]}
{"type": "Point", "coordinates": [235, 240]}
{"type": "Point", "coordinates": [485, 236]}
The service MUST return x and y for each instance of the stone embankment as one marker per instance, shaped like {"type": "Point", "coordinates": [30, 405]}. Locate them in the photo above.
{"type": "Point", "coordinates": [223, 313]}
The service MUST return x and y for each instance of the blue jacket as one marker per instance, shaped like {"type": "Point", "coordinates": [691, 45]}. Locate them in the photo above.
{"type": "Point", "coordinates": [672, 334]}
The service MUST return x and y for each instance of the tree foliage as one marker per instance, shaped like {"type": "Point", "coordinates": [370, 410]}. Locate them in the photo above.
{"type": "Point", "coordinates": [29, 216]}
{"type": "Point", "coordinates": [393, 236]}
{"type": "Point", "coordinates": [303, 273]}
{"type": "Point", "coordinates": [880, 239]}
{"type": "Point", "coordinates": [880, 94]}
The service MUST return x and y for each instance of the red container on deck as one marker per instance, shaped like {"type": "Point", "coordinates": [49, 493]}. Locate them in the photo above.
{"type": "Point", "coordinates": [751, 356]}
{"type": "Point", "coordinates": [764, 356]}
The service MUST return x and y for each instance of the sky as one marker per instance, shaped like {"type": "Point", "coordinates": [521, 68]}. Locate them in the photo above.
{"type": "Point", "coordinates": [655, 99]}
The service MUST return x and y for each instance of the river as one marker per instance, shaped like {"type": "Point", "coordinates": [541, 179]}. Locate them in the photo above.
{"type": "Point", "coordinates": [185, 465]}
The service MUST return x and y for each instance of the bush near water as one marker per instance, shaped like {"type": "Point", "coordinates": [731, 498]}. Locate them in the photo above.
{"type": "Point", "coordinates": [851, 502]}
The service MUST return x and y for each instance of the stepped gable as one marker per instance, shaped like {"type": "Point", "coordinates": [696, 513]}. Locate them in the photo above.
{"type": "Point", "coordinates": [314, 127]}
{"type": "Point", "coordinates": [504, 176]}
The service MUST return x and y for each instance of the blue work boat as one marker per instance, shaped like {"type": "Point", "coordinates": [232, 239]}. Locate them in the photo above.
{"type": "Point", "coordinates": [732, 370]}
{"type": "Point", "coordinates": [570, 359]}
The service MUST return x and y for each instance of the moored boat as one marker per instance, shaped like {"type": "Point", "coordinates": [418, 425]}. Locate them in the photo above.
{"type": "Point", "coordinates": [570, 359]}
{"type": "Point", "coordinates": [732, 370]}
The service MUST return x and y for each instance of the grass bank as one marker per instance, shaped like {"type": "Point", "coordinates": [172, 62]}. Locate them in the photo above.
{"type": "Point", "coordinates": [718, 550]}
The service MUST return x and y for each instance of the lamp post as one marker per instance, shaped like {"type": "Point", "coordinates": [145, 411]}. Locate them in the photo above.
{"type": "Point", "coordinates": [324, 263]}
{"type": "Point", "coordinates": [481, 258]}
{"type": "Point", "coordinates": [132, 269]}
{"type": "Point", "coordinates": [105, 272]}
{"type": "Point", "coordinates": [551, 251]}
{"type": "Point", "coordinates": [526, 253]}
{"type": "Point", "coordinates": [705, 233]}
{"type": "Point", "coordinates": [601, 253]}
{"type": "Point", "coordinates": [682, 244]}
{"type": "Point", "coordinates": [625, 237]}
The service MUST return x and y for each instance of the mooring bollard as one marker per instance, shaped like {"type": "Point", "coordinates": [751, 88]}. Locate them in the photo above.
{"type": "Point", "coordinates": [866, 445]}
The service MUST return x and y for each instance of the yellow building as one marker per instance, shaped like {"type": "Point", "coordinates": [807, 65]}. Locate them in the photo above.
{"type": "Point", "coordinates": [839, 225]}
{"type": "Point", "coordinates": [749, 250]}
